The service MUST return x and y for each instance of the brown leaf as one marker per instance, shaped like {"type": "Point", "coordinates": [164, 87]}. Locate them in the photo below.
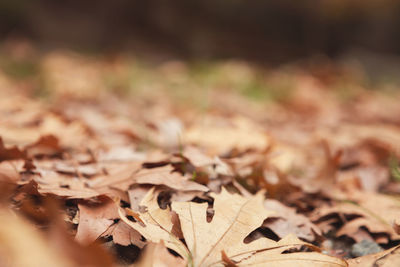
{"type": "Point", "coordinates": [286, 221]}
{"type": "Point", "coordinates": [95, 219]}
{"type": "Point", "coordinates": [124, 235]}
{"type": "Point", "coordinates": [10, 153]}
{"type": "Point", "coordinates": [46, 145]}
{"type": "Point", "coordinates": [118, 176]}
{"type": "Point", "coordinates": [375, 212]}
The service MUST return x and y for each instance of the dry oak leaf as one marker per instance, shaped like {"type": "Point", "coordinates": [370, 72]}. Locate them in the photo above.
{"type": "Point", "coordinates": [234, 219]}
{"type": "Point", "coordinates": [376, 212]}
{"type": "Point", "coordinates": [287, 221]}
{"type": "Point", "coordinates": [94, 220]}
{"type": "Point", "coordinates": [155, 224]}
{"type": "Point", "coordinates": [388, 258]}
{"type": "Point", "coordinates": [124, 235]}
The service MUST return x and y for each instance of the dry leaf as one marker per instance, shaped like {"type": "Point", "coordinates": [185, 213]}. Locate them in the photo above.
{"type": "Point", "coordinates": [155, 224]}
{"type": "Point", "coordinates": [10, 153]}
{"type": "Point", "coordinates": [286, 221]}
{"type": "Point", "coordinates": [124, 235]}
{"type": "Point", "coordinates": [235, 217]}
{"type": "Point", "coordinates": [95, 219]}
{"type": "Point", "coordinates": [375, 212]}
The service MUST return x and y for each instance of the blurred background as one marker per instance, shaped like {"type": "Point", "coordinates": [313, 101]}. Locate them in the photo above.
{"type": "Point", "coordinates": [325, 37]}
{"type": "Point", "coordinates": [270, 31]}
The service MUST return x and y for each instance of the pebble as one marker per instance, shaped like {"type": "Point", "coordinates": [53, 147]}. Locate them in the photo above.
{"type": "Point", "coordinates": [365, 247]}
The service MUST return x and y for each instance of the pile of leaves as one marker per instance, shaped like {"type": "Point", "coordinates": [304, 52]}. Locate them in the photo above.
{"type": "Point", "coordinates": [88, 178]}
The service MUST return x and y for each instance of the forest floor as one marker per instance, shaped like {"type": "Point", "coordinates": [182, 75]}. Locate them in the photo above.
{"type": "Point", "coordinates": [108, 161]}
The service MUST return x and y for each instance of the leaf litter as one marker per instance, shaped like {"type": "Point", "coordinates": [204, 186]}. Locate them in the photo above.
{"type": "Point", "coordinates": [88, 177]}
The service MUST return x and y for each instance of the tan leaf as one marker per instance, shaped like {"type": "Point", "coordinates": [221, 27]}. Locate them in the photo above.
{"type": "Point", "coordinates": [234, 219]}
{"type": "Point", "coordinates": [155, 224]}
